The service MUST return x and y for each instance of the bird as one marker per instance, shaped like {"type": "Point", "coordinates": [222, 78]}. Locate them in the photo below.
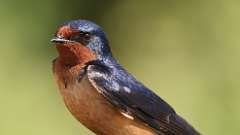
{"type": "Point", "coordinates": [101, 94]}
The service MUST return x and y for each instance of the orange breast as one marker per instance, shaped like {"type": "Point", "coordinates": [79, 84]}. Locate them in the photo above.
{"type": "Point", "coordinates": [94, 111]}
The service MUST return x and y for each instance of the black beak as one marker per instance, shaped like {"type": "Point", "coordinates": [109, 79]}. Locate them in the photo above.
{"type": "Point", "coordinates": [59, 40]}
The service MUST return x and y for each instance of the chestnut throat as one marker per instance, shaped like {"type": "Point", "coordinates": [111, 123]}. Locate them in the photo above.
{"type": "Point", "coordinates": [74, 54]}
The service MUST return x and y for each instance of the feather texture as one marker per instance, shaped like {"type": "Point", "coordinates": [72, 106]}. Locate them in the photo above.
{"type": "Point", "coordinates": [125, 92]}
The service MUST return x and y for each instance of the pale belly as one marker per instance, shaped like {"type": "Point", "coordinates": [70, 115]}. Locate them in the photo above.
{"type": "Point", "coordinates": [96, 113]}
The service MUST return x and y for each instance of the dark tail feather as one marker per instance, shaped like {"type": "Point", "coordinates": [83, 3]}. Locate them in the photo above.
{"type": "Point", "coordinates": [182, 124]}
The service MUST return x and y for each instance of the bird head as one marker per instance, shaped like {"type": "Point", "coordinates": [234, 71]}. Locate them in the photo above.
{"type": "Point", "coordinates": [81, 37]}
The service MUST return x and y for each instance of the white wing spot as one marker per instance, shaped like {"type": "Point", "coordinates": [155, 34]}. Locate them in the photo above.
{"type": "Point", "coordinates": [127, 115]}
{"type": "Point", "coordinates": [126, 89]}
{"type": "Point", "coordinates": [116, 86]}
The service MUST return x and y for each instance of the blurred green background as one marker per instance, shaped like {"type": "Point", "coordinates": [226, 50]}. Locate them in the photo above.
{"type": "Point", "coordinates": [186, 51]}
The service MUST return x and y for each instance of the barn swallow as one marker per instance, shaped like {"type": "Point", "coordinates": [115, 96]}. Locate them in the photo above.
{"type": "Point", "coordinates": [101, 94]}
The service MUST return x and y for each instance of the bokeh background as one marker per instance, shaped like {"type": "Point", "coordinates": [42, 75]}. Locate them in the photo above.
{"type": "Point", "coordinates": [186, 51]}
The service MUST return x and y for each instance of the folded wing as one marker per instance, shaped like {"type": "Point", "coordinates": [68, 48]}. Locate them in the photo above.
{"type": "Point", "coordinates": [131, 97]}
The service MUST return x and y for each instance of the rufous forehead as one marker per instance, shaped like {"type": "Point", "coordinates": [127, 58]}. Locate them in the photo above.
{"type": "Point", "coordinates": [66, 32]}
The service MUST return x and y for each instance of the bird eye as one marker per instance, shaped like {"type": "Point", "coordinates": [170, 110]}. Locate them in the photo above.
{"type": "Point", "coordinates": [85, 35]}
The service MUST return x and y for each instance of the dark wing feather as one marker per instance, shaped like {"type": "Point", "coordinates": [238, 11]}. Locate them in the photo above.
{"type": "Point", "coordinates": [122, 90]}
